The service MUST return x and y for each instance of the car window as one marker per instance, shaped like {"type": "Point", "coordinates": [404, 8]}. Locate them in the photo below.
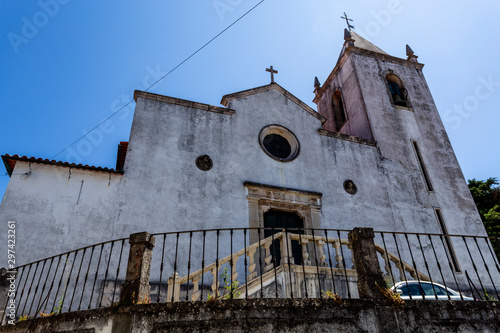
{"type": "Point", "coordinates": [413, 289]}
{"type": "Point", "coordinates": [430, 289]}
{"type": "Point", "coordinates": [441, 291]}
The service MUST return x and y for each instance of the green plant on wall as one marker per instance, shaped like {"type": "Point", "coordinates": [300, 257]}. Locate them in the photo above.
{"type": "Point", "coordinates": [330, 295]}
{"type": "Point", "coordinates": [230, 289]}
{"type": "Point", "coordinates": [391, 295]}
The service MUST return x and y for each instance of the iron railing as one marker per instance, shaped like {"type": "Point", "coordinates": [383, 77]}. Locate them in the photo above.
{"type": "Point", "coordinates": [202, 265]}
{"type": "Point", "coordinates": [467, 264]}
{"type": "Point", "coordinates": [214, 264]}
{"type": "Point", "coordinates": [81, 279]}
{"type": "Point", "coordinates": [318, 261]}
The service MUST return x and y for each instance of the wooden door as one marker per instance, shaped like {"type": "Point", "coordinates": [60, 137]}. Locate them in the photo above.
{"type": "Point", "coordinates": [280, 220]}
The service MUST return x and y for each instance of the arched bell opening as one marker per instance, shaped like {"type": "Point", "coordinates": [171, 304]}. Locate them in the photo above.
{"type": "Point", "coordinates": [398, 92]}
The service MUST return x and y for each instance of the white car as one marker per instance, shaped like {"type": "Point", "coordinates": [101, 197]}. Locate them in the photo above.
{"type": "Point", "coordinates": [427, 290]}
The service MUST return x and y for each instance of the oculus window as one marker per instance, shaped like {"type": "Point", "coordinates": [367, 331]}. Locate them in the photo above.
{"type": "Point", "coordinates": [279, 143]}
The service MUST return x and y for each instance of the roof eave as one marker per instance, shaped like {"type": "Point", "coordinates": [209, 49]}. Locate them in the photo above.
{"type": "Point", "coordinates": [182, 102]}
{"type": "Point", "coordinates": [356, 50]}
{"type": "Point", "coordinates": [15, 158]}
{"type": "Point", "coordinates": [7, 166]}
{"type": "Point", "coordinates": [273, 86]}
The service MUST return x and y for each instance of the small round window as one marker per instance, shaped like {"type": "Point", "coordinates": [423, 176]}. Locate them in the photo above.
{"type": "Point", "coordinates": [279, 143]}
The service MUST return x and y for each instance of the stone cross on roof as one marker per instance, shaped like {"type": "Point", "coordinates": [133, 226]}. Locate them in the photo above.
{"type": "Point", "coordinates": [349, 26]}
{"type": "Point", "coordinates": [272, 73]}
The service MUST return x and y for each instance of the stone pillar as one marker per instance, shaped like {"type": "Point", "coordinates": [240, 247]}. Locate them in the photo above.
{"type": "Point", "coordinates": [136, 286]}
{"type": "Point", "coordinates": [366, 262]}
{"type": "Point", "coordinates": [315, 216]}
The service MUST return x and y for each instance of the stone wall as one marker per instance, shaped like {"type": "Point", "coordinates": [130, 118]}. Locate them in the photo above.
{"type": "Point", "coordinates": [276, 315]}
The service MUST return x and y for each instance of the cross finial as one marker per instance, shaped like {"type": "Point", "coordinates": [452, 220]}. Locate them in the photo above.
{"type": "Point", "coordinates": [271, 69]}
{"type": "Point", "coordinates": [349, 26]}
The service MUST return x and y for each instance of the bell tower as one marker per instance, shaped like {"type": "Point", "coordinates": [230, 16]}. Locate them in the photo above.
{"type": "Point", "coordinates": [372, 95]}
{"type": "Point", "coordinates": [376, 96]}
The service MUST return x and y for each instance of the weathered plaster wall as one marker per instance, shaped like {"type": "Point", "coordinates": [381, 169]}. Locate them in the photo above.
{"type": "Point", "coordinates": [346, 80]}
{"type": "Point", "coordinates": [394, 128]}
{"type": "Point", "coordinates": [298, 315]}
{"type": "Point", "coordinates": [52, 215]}
{"type": "Point", "coordinates": [182, 197]}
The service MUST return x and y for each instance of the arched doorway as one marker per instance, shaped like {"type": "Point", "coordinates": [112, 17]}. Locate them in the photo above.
{"type": "Point", "coordinates": [280, 220]}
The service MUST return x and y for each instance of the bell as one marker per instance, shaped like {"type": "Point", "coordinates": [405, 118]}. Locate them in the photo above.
{"type": "Point", "coordinates": [398, 100]}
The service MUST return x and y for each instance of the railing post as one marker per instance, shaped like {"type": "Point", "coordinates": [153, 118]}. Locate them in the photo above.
{"type": "Point", "coordinates": [286, 249]}
{"type": "Point", "coordinates": [366, 261]}
{"type": "Point", "coordinates": [136, 286]}
{"type": "Point", "coordinates": [174, 288]}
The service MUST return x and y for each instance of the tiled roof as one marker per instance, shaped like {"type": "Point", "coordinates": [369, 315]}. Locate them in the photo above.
{"type": "Point", "coordinates": [10, 163]}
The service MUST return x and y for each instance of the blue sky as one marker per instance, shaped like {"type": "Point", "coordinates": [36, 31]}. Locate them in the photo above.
{"type": "Point", "coordinates": [65, 65]}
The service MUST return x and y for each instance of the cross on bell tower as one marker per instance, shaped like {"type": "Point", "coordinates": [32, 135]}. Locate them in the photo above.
{"type": "Point", "coordinates": [272, 71]}
{"type": "Point", "coordinates": [349, 26]}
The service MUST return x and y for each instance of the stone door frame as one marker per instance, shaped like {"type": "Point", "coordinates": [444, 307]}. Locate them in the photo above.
{"type": "Point", "coordinates": [262, 198]}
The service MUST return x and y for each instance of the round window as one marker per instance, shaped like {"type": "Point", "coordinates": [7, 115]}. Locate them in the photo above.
{"type": "Point", "coordinates": [279, 143]}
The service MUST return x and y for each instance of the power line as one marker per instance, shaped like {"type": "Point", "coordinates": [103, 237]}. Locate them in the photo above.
{"type": "Point", "coordinates": [164, 76]}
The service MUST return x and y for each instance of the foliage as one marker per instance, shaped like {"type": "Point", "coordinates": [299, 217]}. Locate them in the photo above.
{"type": "Point", "coordinates": [486, 194]}
{"type": "Point", "coordinates": [391, 295]}
{"type": "Point", "coordinates": [23, 318]}
{"type": "Point", "coordinates": [330, 295]}
{"type": "Point", "coordinates": [142, 300]}
{"type": "Point", "coordinates": [229, 288]}
{"type": "Point", "coordinates": [56, 310]}
{"type": "Point", "coordinates": [44, 314]}
{"type": "Point", "coordinates": [489, 297]}
{"type": "Point", "coordinates": [388, 280]}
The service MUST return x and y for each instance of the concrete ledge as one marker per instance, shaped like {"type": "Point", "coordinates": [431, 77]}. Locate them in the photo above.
{"type": "Point", "coordinates": [182, 102]}
{"type": "Point", "coordinates": [347, 137]}
{"type": "Point", "coordinates": [276, 315]}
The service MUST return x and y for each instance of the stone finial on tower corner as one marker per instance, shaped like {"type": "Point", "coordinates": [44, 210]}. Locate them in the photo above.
{"type": "Point", "coordinates": [411, 55]}
{"type": "Point", "coordinates": [348, 38]}
{"type": "Point", "coordinates": [317, 85]}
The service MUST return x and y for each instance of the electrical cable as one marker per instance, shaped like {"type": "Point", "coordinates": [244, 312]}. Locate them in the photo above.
{"type": "Point", "coordinates": [164, 76]}
{"type": "Point", "coordinates": [161, 78]}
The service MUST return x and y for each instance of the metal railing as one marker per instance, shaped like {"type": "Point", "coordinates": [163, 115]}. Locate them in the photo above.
{"type": "Point", "coordinates": [213, 268]}
{"type": "Point", "coordinates": [467, 264]}
{"type": "Point", "coordinates": [72, 281]}
{"type": "Point", "coordinates": [290, 263]}
{"type": "Point", "coordinates": [203, 265]}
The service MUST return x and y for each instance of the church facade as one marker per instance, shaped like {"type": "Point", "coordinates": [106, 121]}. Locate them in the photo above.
{"type": "Point", "coordinates": [374, 154]}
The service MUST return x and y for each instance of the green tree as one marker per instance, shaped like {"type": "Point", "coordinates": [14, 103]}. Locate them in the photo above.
{"type": "Point", "coordinates": [486, 194]}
